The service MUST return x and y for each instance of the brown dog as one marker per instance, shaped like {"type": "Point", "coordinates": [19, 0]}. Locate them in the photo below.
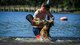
{"type": "Point", "coordinates": [45, 30]}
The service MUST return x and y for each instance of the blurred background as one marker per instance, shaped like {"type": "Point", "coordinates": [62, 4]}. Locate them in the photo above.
{"type": "Point", "coordinates": [13, 21]}
{"type": "Point", "coordinates": [31, 5]}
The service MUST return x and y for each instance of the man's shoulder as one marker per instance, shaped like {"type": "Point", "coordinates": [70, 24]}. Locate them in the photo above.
{"type": "Point", "coordinates": [38, 10]}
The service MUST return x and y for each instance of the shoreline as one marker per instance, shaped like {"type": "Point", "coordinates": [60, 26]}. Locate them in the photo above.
{"type": "Point", "coordinates": [25, 8]}
{"type": "Point", "coordinates": [78, 12]}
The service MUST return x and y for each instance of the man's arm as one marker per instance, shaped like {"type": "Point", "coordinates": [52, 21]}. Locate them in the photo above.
{"type": "Point", "coordinates": [50, 15]}
{"type": "Point", "coordinates": [36, 12]}
{"type": "Point", "coordinates": [51, 20]}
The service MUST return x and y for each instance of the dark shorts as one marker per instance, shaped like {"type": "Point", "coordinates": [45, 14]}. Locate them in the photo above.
{"type": "Point", "coordinates": [36, 31]}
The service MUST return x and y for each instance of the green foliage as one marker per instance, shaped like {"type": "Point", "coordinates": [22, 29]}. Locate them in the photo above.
{"type": "Point", "coordinates": [58, 3]}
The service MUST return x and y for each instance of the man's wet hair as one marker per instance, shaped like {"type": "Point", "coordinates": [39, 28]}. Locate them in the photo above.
{"type": "Point", "coordinates": [46, 6]}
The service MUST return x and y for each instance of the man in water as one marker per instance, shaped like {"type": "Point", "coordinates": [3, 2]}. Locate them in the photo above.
{"type": "Point", "coordinates": [41, 26]}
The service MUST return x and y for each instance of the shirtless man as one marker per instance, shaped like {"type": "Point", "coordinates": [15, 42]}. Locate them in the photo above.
{"type": "Point", "coordinates": [42, 26]}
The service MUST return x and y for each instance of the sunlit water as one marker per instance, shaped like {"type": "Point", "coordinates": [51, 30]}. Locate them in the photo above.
{"type": "Point", "coordinates": [14, 24]}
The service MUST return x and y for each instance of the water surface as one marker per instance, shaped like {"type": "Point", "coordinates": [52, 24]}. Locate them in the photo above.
{"type": "Point", "coordinates": [14, 24]}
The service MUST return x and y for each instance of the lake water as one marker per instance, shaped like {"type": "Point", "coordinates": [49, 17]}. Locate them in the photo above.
{"type": "Point", "coordinates": [14, 24]}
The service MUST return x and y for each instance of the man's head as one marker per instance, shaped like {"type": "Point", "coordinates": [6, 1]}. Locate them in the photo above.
{"type": "Point", "coordinates": [46, 6]}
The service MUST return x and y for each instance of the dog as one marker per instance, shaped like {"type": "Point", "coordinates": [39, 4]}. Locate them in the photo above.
{"type": "Point", "coordinates": [46, 29]}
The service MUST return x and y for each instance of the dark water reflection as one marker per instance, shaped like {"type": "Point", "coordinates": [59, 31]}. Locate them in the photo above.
{"type": "Point", "coordinates": [14, 24]}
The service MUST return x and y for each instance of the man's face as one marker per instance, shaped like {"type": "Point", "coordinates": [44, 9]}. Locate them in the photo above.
{"type": "Point", "coordinates": [43, 9]}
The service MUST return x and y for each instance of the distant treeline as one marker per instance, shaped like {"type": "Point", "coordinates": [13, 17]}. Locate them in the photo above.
{"type": "Point", "coordinates": [55, 3]}
{"type": "Point", "coordinates": [21, 2]}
